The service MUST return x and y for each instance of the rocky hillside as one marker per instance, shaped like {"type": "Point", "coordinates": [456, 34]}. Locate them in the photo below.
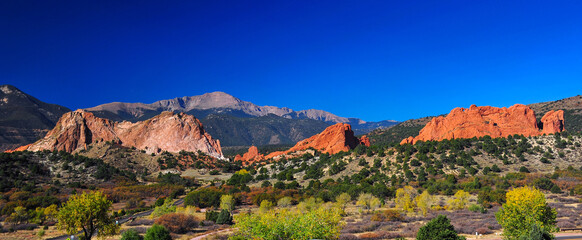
{"type": "Point", "coordinates": [214, 109]}
{"type": "Point", "coordinates": [259, 131]}
{"type": "Point", "coordinates": [489, 121]}
{"type": "Point", "coordinates": [23, 118]}
{"type": "Point", "coordinates": [166, 132]}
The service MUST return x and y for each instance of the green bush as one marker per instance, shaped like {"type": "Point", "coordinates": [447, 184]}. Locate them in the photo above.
{"type": "Point", "coordinates": [157, 232]}
{"type": "Point", "coordinates": [438, 228]}
{"type": "Point", "coordinates": [203, 198]}
{"type": "Point", "coordinates": [477, 208]}
{"type": "Point", "coordinates": [211, 216]}
{"type": "Point", "coordinates": [131, 234]}
{"type": "Point", "coordinates": [224, 217]}
{"type": "Point", "coordinates": [167, 207]}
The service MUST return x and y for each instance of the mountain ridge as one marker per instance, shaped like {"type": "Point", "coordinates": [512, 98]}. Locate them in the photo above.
{"type": "Point", "coordinates": [209, 105]}
{"type": "Point", "coordinates": [24, 118]}
{"type": "Point", "coordinates": [222, 100]}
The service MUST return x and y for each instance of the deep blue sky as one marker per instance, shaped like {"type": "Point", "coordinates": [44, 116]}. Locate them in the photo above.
{"type": "Point", "coordinates": [374, 60]}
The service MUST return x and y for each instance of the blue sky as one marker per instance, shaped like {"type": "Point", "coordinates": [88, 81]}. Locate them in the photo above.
{"type": "Point", "coordinates": [373, 60]}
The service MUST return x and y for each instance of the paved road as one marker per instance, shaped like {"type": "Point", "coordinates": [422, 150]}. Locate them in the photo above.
{"type": "Point", "coordinates": [579, 236]}
{"type": "Point", "coordinates": [122, 220]}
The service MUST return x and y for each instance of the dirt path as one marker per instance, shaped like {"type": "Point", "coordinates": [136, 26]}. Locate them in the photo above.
{"type": "Point", "coordinates": [201, 237]}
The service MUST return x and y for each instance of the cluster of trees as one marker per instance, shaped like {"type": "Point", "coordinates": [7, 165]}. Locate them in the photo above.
{"type": "Point", "coordinates": [312, 221]}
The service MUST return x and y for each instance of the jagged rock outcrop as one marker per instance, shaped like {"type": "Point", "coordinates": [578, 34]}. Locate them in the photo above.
{"type": "Point", "coordinates": [166, 132]}
{"type": "Point", "coordinates": [553, 122]}
{"type": "Point", "coordinates": [364, 140]}
{"type": "Point", "coordinates": [495, 122]}
{"type": "Point", "coordinates": [332, 140]}
{"type": "Point", "coordinates": [252, 155]}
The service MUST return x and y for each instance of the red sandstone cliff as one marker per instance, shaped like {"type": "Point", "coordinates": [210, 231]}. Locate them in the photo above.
{"type": "Point", "coordinates": [333, 139]}
{"type": "Point", "coordinates": [553, 121]}
{"type": "Point", "coordinates": [166, 132]}
{"type": "Point", "coordinates": [495, 122]}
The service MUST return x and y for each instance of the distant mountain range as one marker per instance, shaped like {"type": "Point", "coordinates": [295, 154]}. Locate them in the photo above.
{"type": "Point", "coordinates": [23, 118]}
{"type": "Point", "coordinates": [239, 123]}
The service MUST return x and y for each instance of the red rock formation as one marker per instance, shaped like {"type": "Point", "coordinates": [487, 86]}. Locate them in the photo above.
{"type": "Point", "coordinates": [252, 155]}
{"type": "Point", "coordinates": [166, 132]}
{"type": "Point", "coordinates": [492, 121]}
{"type": "Point", "coordinates": [553, 122]}
{"type": "Point", "coordinates": [18, 149]}
{"type": "Point", "coordinates": [333, 139]}
{"type": "Point", "coordinates": [364, 140]}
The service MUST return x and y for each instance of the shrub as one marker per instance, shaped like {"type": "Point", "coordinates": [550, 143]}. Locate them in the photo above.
{"type": "Point", "coordinates": [438, 228]}
{"type": "Point", "coordinates": [484, 230]}
{"type": "Point", "coordinates": [177, 222]}
{"type": "Point", "coordinates": [284, 202]}
{"type": "Point", "coordinates": [266, 205]}
{"type": "Point", "coordinates": [131, 234]}
{"type": "Point", "coordinates": [386, 216]}
{"type": "Point", "coordinates": [224, 217]}
{"type": "Point", "coordinates": [159, 201]}
{"type": "Point", "coordinates": [203, 198]}
{"type": "Point", "coordinates": [477, 208]}
{"type": "Point", "coordinates": [167, 207]}
{"type": "Point", "coordinates": [211, 216]}
{"type": "Point", "coordinates": [555, 189]}
{"type": "Point", "coordinates": [157, 232]}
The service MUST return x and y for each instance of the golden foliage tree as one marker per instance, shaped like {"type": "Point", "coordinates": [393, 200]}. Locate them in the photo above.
{"type": "Point", "coordinates": [88, 212]}
{"type": "Point", "coordinates": [525, 209]}
{"type": "Point", "coordinates": [423, 202]}
{"type": "Point", "coordinates": [368, 202]}
{"type": "Point", "coordinates": [405, 198]}
{"type": "Point", "coordinates": [285, 202]}
{"type": "Point", "coordinates": [343, 199]}
{"type": "Point", "coordinates": [459, 201]}
{"type": "Point", "coordinates": [227, 202]}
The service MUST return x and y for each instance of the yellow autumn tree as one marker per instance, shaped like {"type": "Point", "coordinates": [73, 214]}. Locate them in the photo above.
{"type": "Point", "coordinates": [525, 210]}
{"type": "Point", "coordinates": [87, 212]}
{"type": "Point", "coordinates": [227, 202]}
{"type": "Point", "coordinates": [424, 202]}
{"type": "Point", "coordinates": [343, 200]}
{"type": "Point", "coordinates": [459, 201]}
{"type": "Point", "coordinates": [368, 202]}
{"type": "Point", "coordinates": [321, 222]}
{"type": "Point", "coordinates": [405, 199]}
